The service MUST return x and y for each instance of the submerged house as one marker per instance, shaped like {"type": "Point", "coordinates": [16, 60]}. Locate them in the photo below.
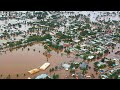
{"type": "Point", "coordinates": [1, 45]}
{"type": "Point", "coordinates": [43, 76]}
{"type": "Point", "coordinates": [66, 45]}
{"type": "Point", "coordinates": [101, 63]}
{"type": "Point", "coordinates": [1, 35]}
{"type": "Point", "coordinates": [83, 65]}
{"type": "Point", "coordinates": [66, 66]}
{"type": "Point", "coordinates": [33, 71]}
{"type": "Point", "coordinates": [76, 41]}
{"type": "Point", "coordinates": [116, 61]}
{"type": "Point", "coordinates": [90, 57]}
{"type": "Point", "coordinates": [44, 66]}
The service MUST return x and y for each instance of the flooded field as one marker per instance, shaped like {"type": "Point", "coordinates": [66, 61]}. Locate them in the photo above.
{"type": "Point", "coordinates": [21, 61]}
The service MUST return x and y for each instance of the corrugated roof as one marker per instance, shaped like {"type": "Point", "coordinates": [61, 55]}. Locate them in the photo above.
{"type": "Point", "coordinates": [83, 65]}
{"type": "Point", "coordinates": [42, 76]}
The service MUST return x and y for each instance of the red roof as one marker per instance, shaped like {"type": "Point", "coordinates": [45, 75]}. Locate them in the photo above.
{"type": "Point", "coordinates": [66, 45]}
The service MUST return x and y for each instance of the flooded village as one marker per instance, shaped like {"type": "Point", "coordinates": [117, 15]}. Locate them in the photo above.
{"type": "Point", "coordinates": [59, 45]}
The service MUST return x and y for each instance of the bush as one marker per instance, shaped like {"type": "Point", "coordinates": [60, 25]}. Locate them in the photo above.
{"type": "Point", "coordinates": [11, 44]}
{"type": "Point", "coordinates": [56, 67]}
{"type": "Point", "coordinates": [55, 76]}
{"type": "Point", "coordinates": [76, 65]}
{"type": "Point", "coordinates": [102, 60]}
{"type": "Point", "coordinates": [106, 51]}
{"type": "Point", "coordinates": [52, 69]}
{"type": "Point", "coordinates": [17, 75]}
{"type": "Point", "coordinates": [110, 63]}
{"type": "Point", "coordinates": [102, 66]}
{"type": "Point", "coordinates": [72, 71]}
{"type": "Point", "coordinates": [95, 64]}
{"type": "Point", "coordinates": [71, 66]}
{"type": "Point", "coordinates": [78, 47]}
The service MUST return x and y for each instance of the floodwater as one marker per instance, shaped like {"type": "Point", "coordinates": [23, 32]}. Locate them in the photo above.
{"type": "Point", "coordinates": [112, 54]}
{"type": "Point", "coordinates": [94, 14]}
{"type": "Point", "coordinates": [20, 62]}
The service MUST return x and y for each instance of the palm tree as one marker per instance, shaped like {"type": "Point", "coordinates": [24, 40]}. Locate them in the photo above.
{"type": "Point", "coordinates": [49, 50]}
{"type": "Point", "coordinates": [22, 49]}
{"type": "Point", "coordinates": [1, 75]}
{"type": "Point", "coordinates": [5, 52]}
{"type": "Point", "coordinates": [17, 75]}
{"type": "Point", "coordinates": [56, 67]}
{"type": "Point", "coordinates": [9, 75]}
{"type": "Point", "coordinates": [34, 50]}
{"type": "Point", "coordinates": [24, 74]}
{"type": "Point", "coordinates": [47, 59]}
{"type": "Point", "coordinates": [68, 53]}
{"type": "Point", "coordinates": [50, 70]}
{"type": "Point", "coordinates": [84, 71]}
{"type": "Point", "coordinates": [28, 49]}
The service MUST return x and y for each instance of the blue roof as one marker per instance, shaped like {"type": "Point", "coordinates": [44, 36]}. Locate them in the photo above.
{"type": "Point", "coordinates": [101, 70]}
{"type": "Point", "coordinates": [42, 76]}
{"type": "Point", "coordinates": [83, 65]}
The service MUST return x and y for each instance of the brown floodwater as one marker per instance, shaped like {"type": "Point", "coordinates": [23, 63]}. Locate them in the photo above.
{"type": "Point", "coordinates": [21, 61]}
{"type": "Point", "coordinates": [112, 54]}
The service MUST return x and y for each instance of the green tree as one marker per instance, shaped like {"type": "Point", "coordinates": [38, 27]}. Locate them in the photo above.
{"type": "Point", "coordinates": [34, 50]}
{"type": "Point", "coordinates": [11, 44]}
{"type": "Point", "coordinates": [50, 70]}
{"type": "Point", "coordinates": [19, 25]}
{"type": "Point", "coordinates": [24, 74]}
{"type": "Point", "coordinates": [55, 76]}
{"type": "Point", "coordinates": [17, 75]}
{"type": "Point", "coordinates": [49, 50]}
{"type": "Point", "coordinates": [72, 71]}
{"type": "Point", "coordinates": [45, 47]}
{"type": "Point", "coordinates": [56, 67]}
{"type": "Point", "coordinates": [106, 51]}
{"type": "Point", "coordinates": [71, 66]}
{"type": "Point", "coordinates": [110, 63]}
{"type": "Point", "coordinates": [8, 77]}
{"type": "Point", "coordinates": [84, 71]}
{"type": "Point", "coordinates": [22, 49]}
{"type": "Point", "coordinates": [28, 49]}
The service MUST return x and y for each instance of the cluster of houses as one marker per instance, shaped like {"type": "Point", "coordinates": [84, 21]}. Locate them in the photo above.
{"type": "Point", "coordinates": [91, 47]}
{"type": "Point", "coordinates": [88, 40]}
{"type": "Point", "coordinates": [115, 73]}
{"type": "Point", "coordinates": [107, 67]}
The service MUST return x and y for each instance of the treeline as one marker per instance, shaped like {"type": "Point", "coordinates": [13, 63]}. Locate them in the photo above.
{"type": "Point", "coordinates": [12, 44]}
{"type": "Point", "coordinates": [63, 36]}
{"type": "Point", "coordinates": [39, 38]}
